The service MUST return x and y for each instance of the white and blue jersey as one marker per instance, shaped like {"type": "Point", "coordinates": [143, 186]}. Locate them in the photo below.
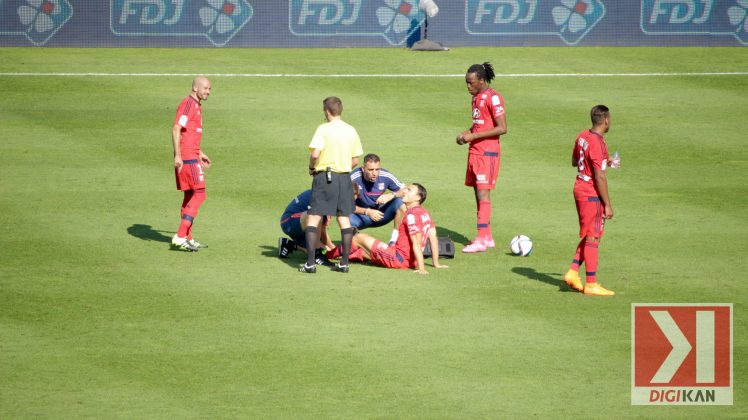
{"type": "Point", "coordinates": [368, 194]}
{"type": "Point", "coordinates": [370, 191]}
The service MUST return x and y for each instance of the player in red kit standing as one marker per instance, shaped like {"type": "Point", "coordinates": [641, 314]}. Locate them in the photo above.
{"type": "Point", "coordinates": [484, 155]}
{"type": "Point", "coordinates": [590, 156]}
{"type": "Point", "coordinates": [190, 161]}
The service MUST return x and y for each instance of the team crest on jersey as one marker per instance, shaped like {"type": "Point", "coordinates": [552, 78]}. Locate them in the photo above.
{"type": "Point", "coordinates": [381, 186]}
{"type": "Point", "coordinates": [476, 113]}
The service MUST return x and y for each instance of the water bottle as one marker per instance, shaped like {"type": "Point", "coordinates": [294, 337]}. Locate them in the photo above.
{"type": "Point", "coordinates": [616, 161]}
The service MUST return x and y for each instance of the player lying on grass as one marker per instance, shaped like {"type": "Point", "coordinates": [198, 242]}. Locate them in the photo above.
{"type": "Point", "coordinates": [416, 228]}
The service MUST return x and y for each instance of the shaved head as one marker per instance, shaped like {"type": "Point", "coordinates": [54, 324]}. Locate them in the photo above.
{"type": "Point", "coordinates": [200, 88]}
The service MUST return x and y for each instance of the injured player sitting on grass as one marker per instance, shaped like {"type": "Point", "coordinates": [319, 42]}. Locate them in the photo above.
{"type": "Point", "coordinates": [416, 228]}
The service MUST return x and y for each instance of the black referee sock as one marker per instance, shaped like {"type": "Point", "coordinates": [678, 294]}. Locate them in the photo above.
{"type": "Point", "coordinates": [312, 237]}
{"type": "Point", "coordinates": [347, 235]}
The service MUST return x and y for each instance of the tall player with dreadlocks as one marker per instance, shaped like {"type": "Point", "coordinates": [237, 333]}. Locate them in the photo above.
{"type": "Point", "coordinates": [484, 154]}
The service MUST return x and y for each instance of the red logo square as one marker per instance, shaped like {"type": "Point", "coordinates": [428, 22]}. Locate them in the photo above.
{"type": "Point", "coordinates": [681, 354]}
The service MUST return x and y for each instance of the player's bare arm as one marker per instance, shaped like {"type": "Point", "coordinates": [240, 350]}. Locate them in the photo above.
{"type": "Point", "coordinates": [386, 198]}
{"type": "Point", "coordinates": [324, 238]}
{"type": "Point", "coordinates": [313, 160]}
{"type": "Point", "coordinates": [499, 129]}
{"type": "Point", "coordinates": [601, 182]}
{"type": "Point", "coordinates": [176, 134]}
{"type": "Point", "coordinates": [205, 160]}
{"type": "Point", "coordinates": [434, 242]}
{"type": "Point", "coordinates": [415, 241]}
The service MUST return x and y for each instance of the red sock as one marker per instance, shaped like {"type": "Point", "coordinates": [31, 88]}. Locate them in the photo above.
{"type": "Point", "coordinates": [578, 256]}
{"type": "Point", "coordinates": [484, 219]}
{"type": "Point", "coordinates": [190, 208]}
{"type": "Point", "coordinates": [357, 254]}
{"type": "Point", "coordinates": [590, 260]}
{"type": "Point", "coordinates": [335, 253]}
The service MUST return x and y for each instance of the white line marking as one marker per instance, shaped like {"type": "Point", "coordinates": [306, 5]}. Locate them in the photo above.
{"type": "Point", "coordinates": [259, 75]}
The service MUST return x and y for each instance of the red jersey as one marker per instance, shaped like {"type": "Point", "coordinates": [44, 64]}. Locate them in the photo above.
{"type": "Point", "coordinates": [190, 118]}
{"type": "Point", "coordinates": [487, 105]}
{"type": "Point", "coordinates": [416, 219]}
{"type": "Point", "coordinates": [590, 151]}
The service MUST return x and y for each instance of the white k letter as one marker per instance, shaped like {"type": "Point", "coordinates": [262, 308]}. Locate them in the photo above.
{"type": "Point", "coordinates": [681, 347]}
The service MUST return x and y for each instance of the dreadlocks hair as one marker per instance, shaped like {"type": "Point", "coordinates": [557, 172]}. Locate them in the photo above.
{"type": "Point", "coordinates": [483, 71]}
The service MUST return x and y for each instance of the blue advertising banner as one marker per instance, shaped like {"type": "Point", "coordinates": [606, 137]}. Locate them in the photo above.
{"type": "Point", "coordinates": [371, 23]}
{"type": "Point", "coordinates": [216, 20]}
{"type": "Point", "coordinates": [571, 20]}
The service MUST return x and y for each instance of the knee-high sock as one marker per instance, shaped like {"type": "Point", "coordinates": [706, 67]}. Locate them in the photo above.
{"type": "Point", "coordinates": [312, 237]}
{"type": "Point", "coordinates": [357, 254]}
{"type": "Point", "coordinates": [484, 219]}
{"type": "Point", "coordinates": [578, 256]}
{"type": "Point", "coordinates": [590, 260]}
{"type": "Point", "coordinates": [334, 253]}
{"type": "Point", "coordinates": [190, 207]}
{"type": "Point", "coordinates": [347, 236]}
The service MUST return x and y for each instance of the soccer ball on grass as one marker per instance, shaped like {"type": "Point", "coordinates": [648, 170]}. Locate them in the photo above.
{"type": "Point", "coordinates": [521, 246]}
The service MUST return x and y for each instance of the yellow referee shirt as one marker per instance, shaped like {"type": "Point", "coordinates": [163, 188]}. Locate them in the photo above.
{"type": "Point", "coordinates": [339, 143]}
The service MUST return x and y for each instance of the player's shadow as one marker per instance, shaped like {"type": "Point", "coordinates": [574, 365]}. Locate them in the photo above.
{"type": "Point", "coordinates": [532, 274]}
{"type": "Point", "coordinates": [148, 233]}
{"type": "Point", "coordinates": [294, 260]}
{"type": "Point", "coordinates": [456, 237]}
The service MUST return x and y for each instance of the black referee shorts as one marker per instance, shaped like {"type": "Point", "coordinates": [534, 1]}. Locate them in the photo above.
{"type": "Point", "coordinates": [334, 198]}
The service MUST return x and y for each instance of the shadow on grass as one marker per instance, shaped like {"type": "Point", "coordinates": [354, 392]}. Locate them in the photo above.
{"type": "Point", "coordinates": [458, 238]}
{"type": "Point", "coordinates": [294, 260]}
{"type": "Point", "coordinates": [148, 233]}
{"type": "Point", "coordinates": [531, 274]}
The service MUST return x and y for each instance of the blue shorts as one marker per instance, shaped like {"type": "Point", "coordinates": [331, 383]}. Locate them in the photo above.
{"type": "Point", "coordinates": [362, 221]}
{"type": "Point", "coordinates": [291, 226]}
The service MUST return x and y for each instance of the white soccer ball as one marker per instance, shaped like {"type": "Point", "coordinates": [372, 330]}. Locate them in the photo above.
{"type": "Point", "coordinates": [521, 246]}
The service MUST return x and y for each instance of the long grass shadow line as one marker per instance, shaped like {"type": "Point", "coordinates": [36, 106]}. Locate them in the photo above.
{"type": "Point", "coordinates": [148, 233]}
{"type": "Point", "coordinates": [532, 274]}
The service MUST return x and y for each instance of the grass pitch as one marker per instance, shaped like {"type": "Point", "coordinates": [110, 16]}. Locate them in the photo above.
{"type": "Point", "coordinates": [98, 318]}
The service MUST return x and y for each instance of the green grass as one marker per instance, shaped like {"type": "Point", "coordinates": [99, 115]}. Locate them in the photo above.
{"type": "Point", "coordinates": [98, 318]}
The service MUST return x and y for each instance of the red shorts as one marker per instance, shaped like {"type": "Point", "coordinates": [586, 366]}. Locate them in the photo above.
{"type": "Point", "coordinates": [483, 170]}
{"type": "Point", "coordinates": [387, 256]}
{"type": "Point", "coordinates": [191, 177]}
{"type": "Point", "coordinates": [591, 220]}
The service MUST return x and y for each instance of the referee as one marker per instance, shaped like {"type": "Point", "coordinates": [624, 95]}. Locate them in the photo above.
{"type": "Point", "coordinates": [335, 149]}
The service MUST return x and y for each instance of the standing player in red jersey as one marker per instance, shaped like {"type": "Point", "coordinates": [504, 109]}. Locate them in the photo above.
{"type": "Point", "coordinates": [484, 155]}
{"type": "Point", "coordinates": [416, 228]}
{"type": "Point", "coordinates": [590, 156]}
{"type": "Point", "coordinates": [189, 161]}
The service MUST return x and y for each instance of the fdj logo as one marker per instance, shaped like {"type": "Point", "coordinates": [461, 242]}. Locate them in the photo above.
{"type": "Point", "coordinates": [217, 20]}
{"type": "Point", "coordinates": [681, 354]}
{"type": "Point", "coordinates": [37, 20]}
{"type": "Point", "coordinates": [694, 17]}
{"type": "Point", "coordinates": [570, 20]}
{"type": "Point", "coordinates": [395, 20]}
